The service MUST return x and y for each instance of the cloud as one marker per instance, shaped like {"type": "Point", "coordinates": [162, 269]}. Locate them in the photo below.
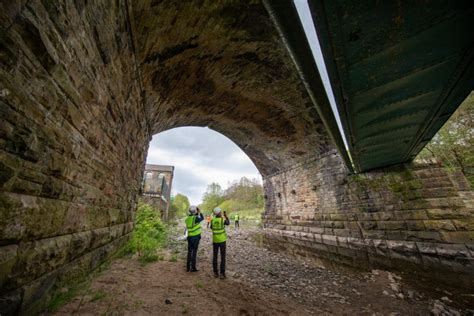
{"type": "Point", "coordinates": [200, 156]}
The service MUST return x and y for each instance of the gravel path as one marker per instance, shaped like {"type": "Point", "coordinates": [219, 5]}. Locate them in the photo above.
{"type": "Point", "coordinates": [323, 290]}
{"type": "Point", "coordinates": [260, 282]}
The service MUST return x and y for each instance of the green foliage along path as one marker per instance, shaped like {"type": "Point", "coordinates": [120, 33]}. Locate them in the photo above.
{"type": "Point", "coordinates": [149, 234]}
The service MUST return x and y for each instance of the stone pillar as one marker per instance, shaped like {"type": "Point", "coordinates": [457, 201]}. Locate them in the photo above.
{"type": "Point", "coordinates": [414, 217]}
{"type": "Point", "coordinates": [73, 138]}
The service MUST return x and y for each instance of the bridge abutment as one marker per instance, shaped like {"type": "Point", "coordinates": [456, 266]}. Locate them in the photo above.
{"type": "Point", "coordinates": [416, 217]}
{"type": "Point", "coordinates": [73, 141]}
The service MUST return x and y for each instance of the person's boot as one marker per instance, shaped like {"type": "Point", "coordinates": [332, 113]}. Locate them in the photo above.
{"type": "Point", "coordinates": [216, 275]}
{"type": "Point", "coordinates": [194, 269]}
{"type": "Point", "coordinates": [222, 276]}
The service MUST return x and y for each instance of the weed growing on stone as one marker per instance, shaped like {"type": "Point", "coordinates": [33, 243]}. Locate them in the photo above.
{"type": "Point", "coordinates": [61, 296]}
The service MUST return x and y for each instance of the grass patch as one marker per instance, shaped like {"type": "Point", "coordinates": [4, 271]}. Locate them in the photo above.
{"type": "Point", "coordinates": [62, 296]}
{"type": "Point", "coordinates": [98, 296]}
{"type": "Point", "coordinates": [199, 284]}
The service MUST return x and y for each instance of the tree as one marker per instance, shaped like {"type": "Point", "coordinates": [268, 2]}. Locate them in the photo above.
{"type": "Point", "coordinates": [212, 197]}
{"type": "Point", "coordinates": [453, 145]}
{"type": "Point", "coordinates": [180, 205]}
{"type": "Point", "coordinates": [248, 193]}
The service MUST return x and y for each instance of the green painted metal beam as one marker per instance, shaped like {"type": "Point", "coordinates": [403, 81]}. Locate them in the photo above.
{"type": "Point", "coordinates": [398, 70]}
{"type": "Point", "coordinates": [285, 17]}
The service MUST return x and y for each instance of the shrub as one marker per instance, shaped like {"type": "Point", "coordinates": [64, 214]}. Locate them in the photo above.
{"type": "Point", "coordinates": [149, 233]}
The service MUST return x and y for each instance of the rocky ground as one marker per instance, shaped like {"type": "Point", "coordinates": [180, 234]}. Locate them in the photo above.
{"type": "Point", "coordinates": [260, 282]}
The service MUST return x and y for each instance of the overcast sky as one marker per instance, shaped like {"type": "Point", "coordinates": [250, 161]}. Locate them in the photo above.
{"type": "Point", "coordinates": [200, 156]}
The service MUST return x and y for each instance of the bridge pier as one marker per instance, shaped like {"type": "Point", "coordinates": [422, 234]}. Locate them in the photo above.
{"type": "Point", "coordinates": [414, 218]}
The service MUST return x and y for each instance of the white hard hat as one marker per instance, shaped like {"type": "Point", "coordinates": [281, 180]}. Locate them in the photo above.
{"type": "Point", "coordinates": [193, 209]}
{"type": "Point", "coordinates": [217, 210]}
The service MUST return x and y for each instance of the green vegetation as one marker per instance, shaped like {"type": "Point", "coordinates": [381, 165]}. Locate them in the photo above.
{"type": "Point", "coordinates": [243, 197]}
{"type": "Point", "coordinates": [149, 234]}
{"type": "Point", "coordinates": [98, 296]}
{"type": "Point", "coordinates": [212, 198]}
{"type": "Point", "coordinates": [179, 205]}
{"type": "Point", "coordinates": [184, 309]}
{"type": "Point", "coordinates": [453, 145]}
{"type": "Point", "coordinates": [199, 284]}
{"type": "Point", "coordinates": [61, 297]}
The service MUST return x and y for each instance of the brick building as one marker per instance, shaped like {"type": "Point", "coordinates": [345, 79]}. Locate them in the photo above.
{"type": "Point", "coordinates": [156, 187]}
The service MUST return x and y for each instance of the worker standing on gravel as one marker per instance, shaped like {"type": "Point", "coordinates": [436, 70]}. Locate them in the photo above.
{"type": "Point", "coordinates": [193, 225]}
{"type": "Point", "coordinates": [237, 221]}
{"type": "Point", "coordinates": [219, 238]}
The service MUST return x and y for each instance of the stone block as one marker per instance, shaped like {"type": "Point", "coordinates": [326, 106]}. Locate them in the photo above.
{"type": "Point", "coordinates": [452, 251]}
{"type": "Point", "coordinates": [464, 224]}
{"type": "Point", "coordinates": [356, 243]}
{"type": "Point", "coordinates": [383, 216]}
{"type": "Point", "coordinates": [368, 225]}
{"type": "Point", "coordinates": [329, 240]}
{"type": "Point", "coordinates": [8, 258]}
{"type": "Point", "coordinates": [446, 214]}
{"type": "Point", "coordinates": [458, 237]}
{"type": "Point", "coordinates": [415, 225]}
{"type": "Point", "coordinates": [391, 225]}
{"type": "Point", "coordinates": [439, 225]}
{"type": "Point", "coordinates": [443, 203]}
{"type": "Point", "coordinates": [411, 215]}
{"type": "Point", "coordinates": [421, 236]}
{"type": "Point", "coordinates": [427, 248]}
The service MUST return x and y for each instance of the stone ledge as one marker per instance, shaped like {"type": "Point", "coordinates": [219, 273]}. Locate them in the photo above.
{"type": "Point", "coordinates": [32, 259]}
{"type": "Point", "coordinates": [409, 251]}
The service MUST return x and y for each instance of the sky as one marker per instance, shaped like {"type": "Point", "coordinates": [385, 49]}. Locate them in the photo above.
{"type": "Point", "coordinates": [200, 156]}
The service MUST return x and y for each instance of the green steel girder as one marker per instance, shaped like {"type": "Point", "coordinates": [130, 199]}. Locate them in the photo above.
{"type": "Point", "coordinates": [398, 69]}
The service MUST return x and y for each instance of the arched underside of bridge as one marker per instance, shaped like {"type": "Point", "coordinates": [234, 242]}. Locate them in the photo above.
{"type": "Point", "coordinates": [85, 85]}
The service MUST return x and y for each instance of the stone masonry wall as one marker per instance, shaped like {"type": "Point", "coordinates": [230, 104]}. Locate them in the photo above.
{"type": "Point", "coordinates": [413, 218]}
{"type": "Point", "coordinates": [72, 143]}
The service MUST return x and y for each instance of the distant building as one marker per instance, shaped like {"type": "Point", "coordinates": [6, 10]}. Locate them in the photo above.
{"type": "Point", "coordinates": [156, 187]}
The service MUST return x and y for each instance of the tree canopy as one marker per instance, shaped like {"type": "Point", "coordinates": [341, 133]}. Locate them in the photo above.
{"type": "Point", "coordinates": [180, 205]}
{"type": "Point", "coordinates": [212, 197]}
{"type": "Point", "coordinates": [244, 196]}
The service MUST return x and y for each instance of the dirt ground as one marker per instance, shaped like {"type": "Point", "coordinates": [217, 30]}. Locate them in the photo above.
{"type": "Point", "coordinates": [260, 282]}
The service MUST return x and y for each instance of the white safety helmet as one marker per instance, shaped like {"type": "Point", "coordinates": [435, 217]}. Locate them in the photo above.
{"type": "Point", "coordinates": [193, 209]}
{"type": "Point", "coordinates": [217, 210]}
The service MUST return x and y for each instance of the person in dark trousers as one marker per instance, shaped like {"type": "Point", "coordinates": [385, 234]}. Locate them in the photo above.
{"type": "Point", "coordinates": [219, 238]}
{"type": "Point", "coordinates": [193, 225]}
{"type": "Point", "coordinates": [237, 221]}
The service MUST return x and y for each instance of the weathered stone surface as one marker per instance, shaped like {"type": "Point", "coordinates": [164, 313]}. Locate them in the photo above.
{"type": "Point", "coordinates": [84, 85]}
{"type": "Point", "coordinates": [384, 224]}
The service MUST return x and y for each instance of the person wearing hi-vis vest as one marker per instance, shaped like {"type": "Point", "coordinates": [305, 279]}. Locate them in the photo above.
{"type": "Point", "coordinates": [219, 238]}
{"type": "Point", "coordinates": [237, 221]}
{"type": "Point", "coordinates": [193, 225]}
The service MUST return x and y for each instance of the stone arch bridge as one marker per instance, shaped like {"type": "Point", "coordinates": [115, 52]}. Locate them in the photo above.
{"type": "Point", "coordinates": [85, 84]}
